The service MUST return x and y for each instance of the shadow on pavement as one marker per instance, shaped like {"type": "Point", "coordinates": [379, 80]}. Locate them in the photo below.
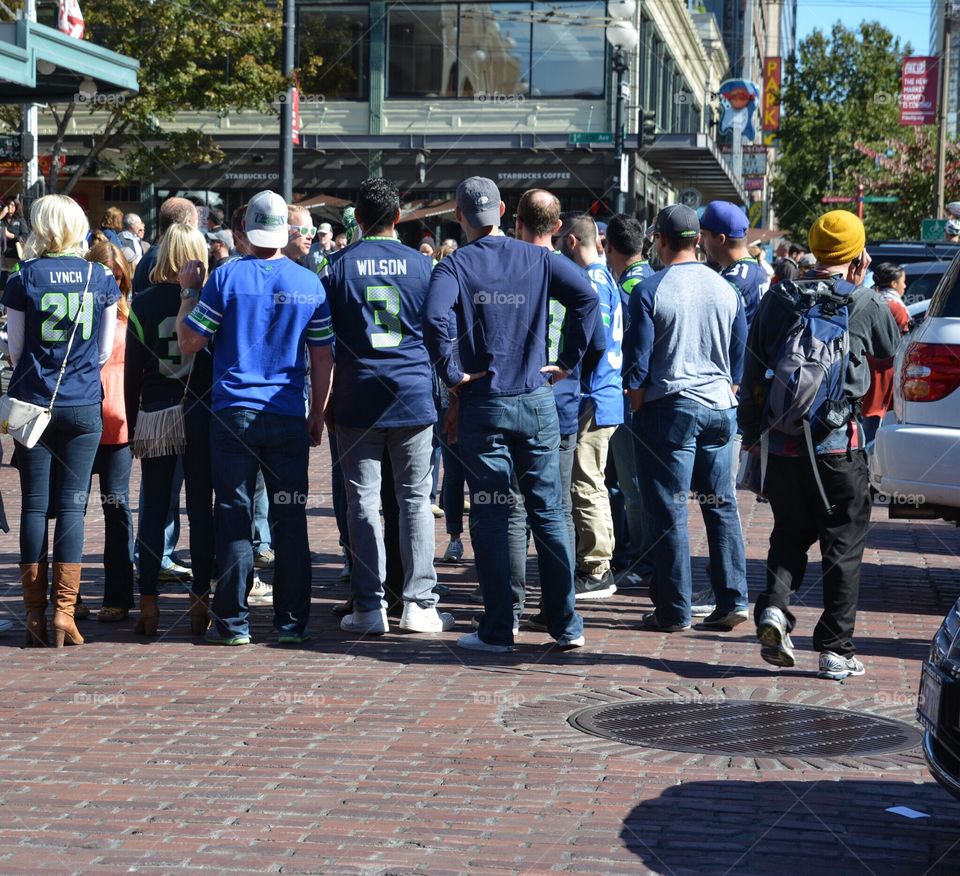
{"type": "Point", "coordinates": [796, 828]}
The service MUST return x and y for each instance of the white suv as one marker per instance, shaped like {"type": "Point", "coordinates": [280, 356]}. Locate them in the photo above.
{"type": "Point", "coordinates": [916, 455]}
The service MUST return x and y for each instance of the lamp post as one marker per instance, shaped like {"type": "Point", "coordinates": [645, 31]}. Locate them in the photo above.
{"type": "Point", "coordinates": [623, 38]}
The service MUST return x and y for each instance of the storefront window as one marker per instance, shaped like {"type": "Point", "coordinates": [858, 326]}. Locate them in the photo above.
{"type": "Point", "coordinates": [333, 51]}
{"type": "Point", "coordinates": [514, 48]}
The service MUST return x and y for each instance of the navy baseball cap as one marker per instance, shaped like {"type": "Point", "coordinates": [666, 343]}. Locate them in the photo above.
{"type": "Point", "coordinates": [722, 217]}
{"type": "Point", "coordinates": [676, 221]}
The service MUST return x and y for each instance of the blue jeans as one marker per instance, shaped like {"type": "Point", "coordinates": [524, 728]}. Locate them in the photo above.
{"type": "Point", "coordinates": [685, 445]}
{"type": "Point", "coordinates": [261, 514]}
{"type": "Point", "coordinates": [518, 531]}
{"type": "Point", "coordinates": [500, 435]}
{"type": "Point", "coordinates": [171, 526]}
{"type": "Point", "coordinates": [55, 481]}
{"type": "Point", "coordinates": [241, 442]}
{"type": "Point", "coordinates": [339, 492]}
{"type": "Point", "coordinates": [158, 477]}
{"type": "Point", "coordinates": [113, 464]}
{"type": "Point", "coordinates": [451, 496]}
{"type": "Point", "coordinates": [623, 454]}
{"type": "Point", "coordinates": [411, 457]}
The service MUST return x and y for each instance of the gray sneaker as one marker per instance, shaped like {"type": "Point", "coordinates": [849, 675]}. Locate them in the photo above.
{"type": "Point", "coordinates": [453, 555]}
{"type": "Point", "coordinates": [838, 668]}
{"type": "Point", "coordinates": [703, 603]}
{"type": "Point", "coordinates": [772, 633]}
{"type": "Point", "coordinates": [261, 593]}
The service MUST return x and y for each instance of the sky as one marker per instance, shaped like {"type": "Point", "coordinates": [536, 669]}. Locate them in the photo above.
{"type": "Point", "coordinates": [908, 19]}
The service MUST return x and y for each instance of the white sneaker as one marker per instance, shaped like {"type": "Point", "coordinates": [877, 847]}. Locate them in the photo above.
{"type": "Point", "coordinates": [373, 622]}
{"type": "Point", "coordinates": [473, 642]}
{"type": "Point", "coordinates": [570, 644]}
{"type": "Point", "coordinates": [261, 593]}
{"type": "Point", "coordinates": [424, 620]}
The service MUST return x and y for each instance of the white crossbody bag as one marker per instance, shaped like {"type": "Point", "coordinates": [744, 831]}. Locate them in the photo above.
{"type": "Point", "coordinates": [26, 422]}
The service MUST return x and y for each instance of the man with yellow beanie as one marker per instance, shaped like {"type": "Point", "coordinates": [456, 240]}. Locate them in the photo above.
{"type": "Point", "coordinates": [818, 489]}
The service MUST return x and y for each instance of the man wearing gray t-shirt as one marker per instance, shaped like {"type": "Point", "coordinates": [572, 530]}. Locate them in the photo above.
{"type": "Point", "coordinates": [683, 360]}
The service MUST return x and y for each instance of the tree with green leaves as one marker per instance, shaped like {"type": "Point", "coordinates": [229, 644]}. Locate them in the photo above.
{"type": "Point", "coordinates": [840, 94]}
{"type": "Point", "coordinates": [204, 56]}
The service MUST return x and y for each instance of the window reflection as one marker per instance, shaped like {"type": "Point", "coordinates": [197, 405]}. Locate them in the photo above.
{"type": "Point", "coordinates": [332, 51]}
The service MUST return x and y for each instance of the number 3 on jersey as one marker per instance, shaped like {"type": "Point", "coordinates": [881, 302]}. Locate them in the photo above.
{"type": "Point", "coordinates": [60, 306]}
{"type": "Point", "coordinates": [385, 301]}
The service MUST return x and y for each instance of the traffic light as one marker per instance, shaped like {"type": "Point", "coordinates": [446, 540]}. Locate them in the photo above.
{"type": "Point", "coordinates": [648, 128]}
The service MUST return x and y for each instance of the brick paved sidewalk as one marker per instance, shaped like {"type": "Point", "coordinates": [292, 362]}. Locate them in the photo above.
{"type": "Point", "coordinates": [407, 755]}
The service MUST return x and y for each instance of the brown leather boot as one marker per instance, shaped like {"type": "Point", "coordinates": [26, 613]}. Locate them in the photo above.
{"type": "Point", "coordinates": [66, 586]}
{"type": "Point", "coordinates": [149, 616]}
{"type": "Point", "coordinates": [33, 577]}
{"type": "Point", "coordinates": [199, 614]}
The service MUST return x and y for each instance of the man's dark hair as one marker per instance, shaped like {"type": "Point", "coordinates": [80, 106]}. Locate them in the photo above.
{"type": "Point", "coordinates": [377, 205]}
{"type": "Point", "coordinates": [236, 219]}
{"type": "Point", "coordinates": [216, 214]}
{"type": "Point", "coordinates": [796, 250]}
{"type": "Point", "coordinates": [680, 244]}
{"type": "Point", "coordinates": [886, 274]}
{"type": "Point", "coordinates": [539, 210]}
{"type": "Point", "coordinates": [583, 227]}
{"type": "Point", "coordinates": [625, 235]}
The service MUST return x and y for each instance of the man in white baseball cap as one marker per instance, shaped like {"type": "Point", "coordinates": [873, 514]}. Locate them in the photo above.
{"type": "Point", "coordinates": [262, 310]}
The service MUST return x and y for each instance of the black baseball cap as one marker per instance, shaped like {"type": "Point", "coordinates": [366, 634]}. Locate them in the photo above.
{"type": "Point", "coordinates": [676, 221]}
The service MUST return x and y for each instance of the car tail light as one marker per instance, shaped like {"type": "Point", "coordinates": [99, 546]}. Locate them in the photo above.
{"type": "Point", "coordinates": [930, 372]}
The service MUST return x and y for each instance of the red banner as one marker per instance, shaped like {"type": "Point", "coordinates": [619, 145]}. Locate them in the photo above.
{"type": "Point", "coordinates": [772, 74]}
{"type": "Point", "coordinates": [918, 91]}
{"type": "Point", "coordinates": [295, 114]}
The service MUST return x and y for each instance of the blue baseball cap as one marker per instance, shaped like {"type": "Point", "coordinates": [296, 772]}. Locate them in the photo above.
{"type": "Point", "coordinates": [722, 217]}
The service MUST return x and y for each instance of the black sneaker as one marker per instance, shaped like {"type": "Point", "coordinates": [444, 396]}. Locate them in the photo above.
{"type": "Point", "coordinates": [342, 609]}
{"type": "Point", "coordinates": [537, 623]}
{"type": "Point", "coordinates": [590, 587]}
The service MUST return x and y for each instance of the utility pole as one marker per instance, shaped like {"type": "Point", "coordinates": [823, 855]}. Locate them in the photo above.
{"type": "Point", "coordinates": [946, 29]}
{"type": "Point", "coordinates": [623, 90]}
{"type": "Point", "coordinates": [31, 169]}
{"type": "Point", "coordinates": [286, 108]}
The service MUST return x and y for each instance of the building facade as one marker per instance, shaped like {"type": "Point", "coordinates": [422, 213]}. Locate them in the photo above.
{"type": "Point", "coordinates": [427, 93]}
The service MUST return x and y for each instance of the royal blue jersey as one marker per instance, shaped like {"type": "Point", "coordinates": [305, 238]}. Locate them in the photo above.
{"type": "Point", "coordinates": [262, 312]}
{"type": "Point", "coordinates": [49, 292]}
{"type": "Point", "coordinates": [752, 282]}
{"type": "Point", "coordinates": [376, 289]}
{"type": "Point", "coordinates": [603, 387]}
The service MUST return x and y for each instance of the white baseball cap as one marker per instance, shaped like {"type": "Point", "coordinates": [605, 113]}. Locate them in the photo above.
{"type": "Point", "coordinates": [325, 228]}
{"type": "Point", "coordinates": [265, 221]}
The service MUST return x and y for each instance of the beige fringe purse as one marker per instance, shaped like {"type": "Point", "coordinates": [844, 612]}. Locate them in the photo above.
{"type": "Point", "coordinates": [163, 432]}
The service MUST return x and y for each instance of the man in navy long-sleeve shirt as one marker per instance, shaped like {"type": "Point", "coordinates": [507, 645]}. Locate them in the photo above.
{"type": "Point", "coordinates": [498, 291]}
{"type": "Point", "coordinates": [683, 359]}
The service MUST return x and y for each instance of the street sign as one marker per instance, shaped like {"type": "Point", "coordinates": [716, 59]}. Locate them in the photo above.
{"type": "Point", "coordinates": [933, 229]}
{"type": "Point", "coordinates": [880, 199]}
{"type": "Point", "coordinates": [10, 147]}
{"type": "Point", "coordinates": [579, 138]}
{"type": "Point", "coordinates": [836, 199]}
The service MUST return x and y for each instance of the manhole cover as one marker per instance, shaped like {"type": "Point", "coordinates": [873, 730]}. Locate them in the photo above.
{"type": "Point", "coordinates": [743, 727]}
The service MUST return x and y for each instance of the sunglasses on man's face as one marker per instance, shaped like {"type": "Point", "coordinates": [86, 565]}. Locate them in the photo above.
{"type": "Point", "coordinates": [304, 230]}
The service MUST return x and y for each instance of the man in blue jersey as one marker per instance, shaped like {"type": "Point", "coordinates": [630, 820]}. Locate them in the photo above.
{"type": "Point", "coordinates": [683, 359]}
{"type": "Point", "coordinates": [601, 412]}
{"type": "Point", "coordinates": [624, 245]}
{"type": "Point", "coordinates": [262, 309]}
{"type": "Point", "coordinates": [383, 402]}
{"type": "Point", "coordinates": [498, 289]}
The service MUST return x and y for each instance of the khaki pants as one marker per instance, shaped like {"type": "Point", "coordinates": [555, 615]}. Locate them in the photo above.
{"type": "Point", "coordinates": [591, 504]}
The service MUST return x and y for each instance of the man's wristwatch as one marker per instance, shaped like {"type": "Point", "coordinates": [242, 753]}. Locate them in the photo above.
{"type": "Point", "coordinates": [187, 294]}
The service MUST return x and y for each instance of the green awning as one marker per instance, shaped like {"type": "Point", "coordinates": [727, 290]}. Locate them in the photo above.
{"type": "Point", "coordinates": [39, 64]}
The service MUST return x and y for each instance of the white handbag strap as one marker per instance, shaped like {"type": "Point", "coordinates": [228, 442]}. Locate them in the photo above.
{"type": "Point", "coordinates": [73, 333]}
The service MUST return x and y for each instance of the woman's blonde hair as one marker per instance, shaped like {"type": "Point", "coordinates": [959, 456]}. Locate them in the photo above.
{"type": "Point", "coordinates": [178, 246]}
{"type": "Point", "coordinates": [107, 254]}
{"type": "Point", "coordinates": [57, 224]}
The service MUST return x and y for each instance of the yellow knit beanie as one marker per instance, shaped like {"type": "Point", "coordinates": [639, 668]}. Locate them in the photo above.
{"type": "Point", "coordinates": [837, 237]}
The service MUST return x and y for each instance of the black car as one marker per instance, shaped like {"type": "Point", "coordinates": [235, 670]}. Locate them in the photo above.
{"type": "Point", "coordinates": [903, 252]}
{"type": "Point", "coordinates": [938, 705]}
{"type": "Point", "coordinates": [922, 280]}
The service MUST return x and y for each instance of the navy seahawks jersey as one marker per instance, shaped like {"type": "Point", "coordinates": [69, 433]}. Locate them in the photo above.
{"type": "Point", "coordinates": [49, 292]}
{"type": "Point", "coordinates": [376, 289]}
{"type": "Point", "coordinates": [752, 281]}
{"type": "Point", "coordinates": [630, 279]}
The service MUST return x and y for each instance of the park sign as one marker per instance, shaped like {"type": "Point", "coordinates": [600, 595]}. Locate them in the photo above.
{"type": "Point", "coordinates": [772, 73]}
{"type": "Point", "coordinates": [918, 91]}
